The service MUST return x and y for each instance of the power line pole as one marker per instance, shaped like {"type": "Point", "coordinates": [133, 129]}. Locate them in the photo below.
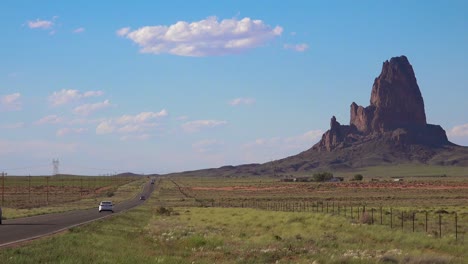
{"type": "Point", "coordinates": [55, 165]}
{"type": "Point", "coordinates": [3, 187]}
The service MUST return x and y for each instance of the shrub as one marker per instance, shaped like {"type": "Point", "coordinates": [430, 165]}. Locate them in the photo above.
{"type": "Point", "coordinates": [161, 210]}
{"type": "Point", "coordinates": [110, 193]}
{"type": "Point", "coordinates": [322, 176]}
{"type": "Point", "coordinates": [358, 177]}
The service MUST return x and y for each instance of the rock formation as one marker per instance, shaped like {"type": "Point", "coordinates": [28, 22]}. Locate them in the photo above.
{"type": "Point", "coordinates": [392, 130]}
{"type": "Point", "coordinates": [396, 113]}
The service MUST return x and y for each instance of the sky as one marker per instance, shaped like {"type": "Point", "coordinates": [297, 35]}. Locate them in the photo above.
{"type": "Point", "coordinates": [164, 86]}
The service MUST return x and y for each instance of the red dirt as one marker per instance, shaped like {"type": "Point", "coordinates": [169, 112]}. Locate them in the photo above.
{"type": "Point", "coordinates": [241, 188]}
{"type": "Point", "coordinates": [346, 185]}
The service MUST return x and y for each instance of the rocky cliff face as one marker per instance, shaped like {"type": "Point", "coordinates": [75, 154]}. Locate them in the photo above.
{"type": "Point", "coordinates": [396, 113]}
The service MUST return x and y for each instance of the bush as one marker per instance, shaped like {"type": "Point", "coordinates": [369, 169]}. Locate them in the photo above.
{"type": "Point", "coordinates": [358, 177]}
{"type": "Point", "coordinates": [161, 210]}
{"type": "Point", "coordinates": [110, 193]}
{"type": "Point", "coordinates": [322, 176]}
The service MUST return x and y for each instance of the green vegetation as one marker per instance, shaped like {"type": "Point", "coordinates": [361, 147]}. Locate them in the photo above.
{"type": "Point", "coordinates": [322, 176]}
{"type": "Point", "coordinates": [264, 220]}
{"type": "Point", "coordinates": [358, 177]}
{"type": "Point", "coordinates": [233, 235]}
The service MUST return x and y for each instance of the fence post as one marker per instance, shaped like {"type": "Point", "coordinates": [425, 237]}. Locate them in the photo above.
{"type": "Point", "coordinates": [402, 220]}
{"type": "Point", "coordinates": [456, 227]}
{"type": "Point", "coordinates": [351, 211]}
{"type": "Point", "coordinates": [426, 221]}
{"type": "Point", "coordinates": [391, 218]}
{"type": "Point", "coordinates": [381, 218]}
{"type": "Point", "coordinates": [413, 220]}
{"type": "Point", "coordinates": [372, 216]}
{"type": "Point", "coordinates": [440, 225]}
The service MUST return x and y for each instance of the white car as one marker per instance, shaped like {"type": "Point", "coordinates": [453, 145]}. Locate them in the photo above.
{"type": "Point", "coordinates": [106, 206]}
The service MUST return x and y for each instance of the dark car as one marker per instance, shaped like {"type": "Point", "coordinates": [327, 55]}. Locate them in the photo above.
{"type": "Point", "coordinates": [142, 197]}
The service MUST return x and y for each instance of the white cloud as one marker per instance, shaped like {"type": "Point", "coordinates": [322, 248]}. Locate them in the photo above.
{"type": "Point", "coordinates": [207, 145]}
{"type": "Point", "coordinates": [14, 125]}
{"type": "Point", "coordinates": [197, 125]}
{"type": "Point", "coordinates": [208, 37]}
{"type": "Point", "coordinates": [50, 119]}
{"type": "Point", "coordinates": [93, 93]}
{"type": "Point", "coordinates": [39, 148]}
{"type": "Point", "coordinates": [42, 24]}
{"type": "Point", "coordinates": [128, 124]}
{"type": "Point", "coordinates": [141, 117]}
{"type": "Point", "coordinates": [123, 31]}
{"type": "Point", "coordinates": [11, 102]}
{"type": "Point", "coordinates": [65, 96]}
{"type": "Point", "coordinates": [458, 131]}
{"type": "Point", "coordinates": [66, 131]}
{"type": "Point", "coordinates": [242, 101]}
{"type": "Point", "coordinates": [87, 109]}
{"type": "Point", "coordinates": [297, 47]}
{"type": "Point", "coordinates": [104, 127]}
{"type": "Point", "coordinates": [135, 137]}
{"type": "Point", "coordinates": [79, 30]}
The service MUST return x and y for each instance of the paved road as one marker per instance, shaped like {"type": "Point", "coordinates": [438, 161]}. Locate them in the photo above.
{"type": "Point", "coordinates": [22, 229]}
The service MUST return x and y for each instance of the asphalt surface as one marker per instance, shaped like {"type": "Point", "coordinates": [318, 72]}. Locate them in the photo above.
{"type": "Point", "coordinates": [23, 229]}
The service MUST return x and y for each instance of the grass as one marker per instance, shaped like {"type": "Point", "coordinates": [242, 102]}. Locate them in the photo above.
{"type": "Point", "coordinates": [232, 235]}
{"type": "Point", "coordinates": [173, 228]}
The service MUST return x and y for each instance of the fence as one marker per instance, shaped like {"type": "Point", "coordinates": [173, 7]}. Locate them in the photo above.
{"type": "Point", "coordinates": [435, 223]}
{"type": "Point", "coordinates": [439, 223]}
{"type": "Point", "coordinates": [35, 191]}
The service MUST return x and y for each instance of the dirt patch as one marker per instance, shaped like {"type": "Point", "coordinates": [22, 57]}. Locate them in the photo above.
{"type": "Point", "coordinates": [403, 185]}
{"type": "Point", "coordinates": [241, 188]}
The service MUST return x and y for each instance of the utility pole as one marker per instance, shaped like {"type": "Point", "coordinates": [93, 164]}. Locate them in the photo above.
{"type": "Point", "coordinates": [29, 188]}
{"type": "Point", "coordinates": [55, 165]}
{"type": "Point", "coordinates": [47, 191]}
{"type": "Point", "coordinates": [3, 187]}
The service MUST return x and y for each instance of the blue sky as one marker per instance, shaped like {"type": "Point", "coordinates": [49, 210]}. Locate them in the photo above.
{"type": "Point", "coordinates": [163, 86]}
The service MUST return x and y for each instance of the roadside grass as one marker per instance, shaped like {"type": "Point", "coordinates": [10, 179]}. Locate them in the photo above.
{"type": "Point", "coordinates": [120, 193]}
{"type": "Point", "coordinates": [233, 235]}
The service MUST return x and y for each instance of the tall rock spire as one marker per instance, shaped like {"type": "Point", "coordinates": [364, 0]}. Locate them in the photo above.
{"type": "Point", "coordinates": [396, 100]}
{"type": "Point", "coordinates": [396, 97]}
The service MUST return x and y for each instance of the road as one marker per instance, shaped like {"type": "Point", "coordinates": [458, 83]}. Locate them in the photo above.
{"type": "Point", "coordinates": [23, 229]}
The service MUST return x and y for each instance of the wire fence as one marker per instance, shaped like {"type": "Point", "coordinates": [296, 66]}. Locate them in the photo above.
{"type": "Point", "coordinates": [23, 192]}
{"type": "Point", "coordinates": [436, 223]}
